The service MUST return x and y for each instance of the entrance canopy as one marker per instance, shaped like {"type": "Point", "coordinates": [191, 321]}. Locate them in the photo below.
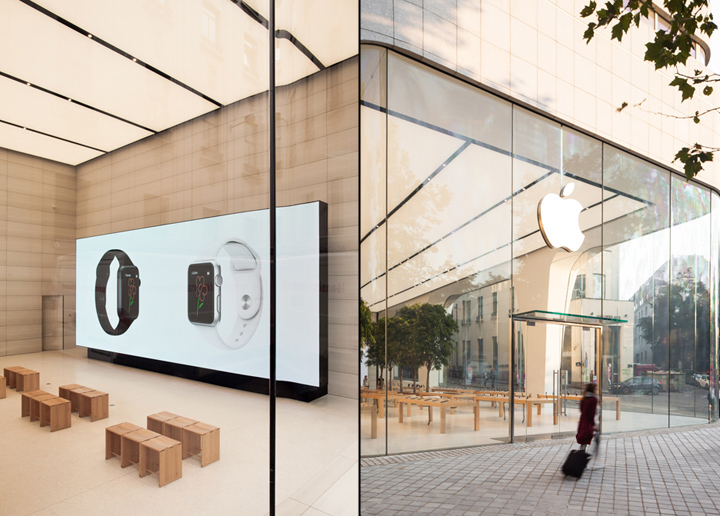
{"type": "Point", "coordinates": [561, 318]}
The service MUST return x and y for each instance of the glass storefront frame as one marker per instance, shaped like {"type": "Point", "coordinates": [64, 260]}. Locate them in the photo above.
{"type": "Point", "coordinates": [377, 82]}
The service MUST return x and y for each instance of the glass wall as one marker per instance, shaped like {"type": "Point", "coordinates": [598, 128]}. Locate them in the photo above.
{"type": "Point", "coordinates": [458, 192]}
{"type": "Point", "coordinates": [136, 194]}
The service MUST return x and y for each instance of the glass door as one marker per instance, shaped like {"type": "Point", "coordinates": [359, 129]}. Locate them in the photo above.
{"type": "Point", "coordinates": [552, 362]}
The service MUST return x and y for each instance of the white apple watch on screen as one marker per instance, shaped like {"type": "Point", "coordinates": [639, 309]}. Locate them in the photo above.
{"type": "Point", "coordinates": [226, 293]}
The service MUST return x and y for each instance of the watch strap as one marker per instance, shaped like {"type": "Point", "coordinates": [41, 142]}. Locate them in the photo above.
{"type": "Point", "coordinates": [102, 276]}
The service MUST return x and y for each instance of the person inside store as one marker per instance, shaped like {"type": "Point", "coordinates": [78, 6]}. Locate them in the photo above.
{"type": "Point", "coordinates": [586, 425]}
{"type": "Point", "coordinates": [365, 381]}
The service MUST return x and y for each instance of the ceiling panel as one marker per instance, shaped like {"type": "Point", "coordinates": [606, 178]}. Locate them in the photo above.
{"type": "Point", "coordinates": [210, 45]}
{"type": "Point", "coordinates": [315, 24]}
{"type": "Point", "coordinates": [76, 67]}
{"type": "Point", "coordinates": [46, 113]}
{"type": "Point", "coordinates": [28, 142]}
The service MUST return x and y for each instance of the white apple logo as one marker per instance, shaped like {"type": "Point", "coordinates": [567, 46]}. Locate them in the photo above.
{"type": "Point", "coordinates": [558, 220]}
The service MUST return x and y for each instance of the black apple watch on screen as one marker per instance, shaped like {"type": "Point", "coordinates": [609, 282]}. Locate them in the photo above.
{"type": "Point", "coordinates": [201, 293]}
{"type": "Point", "coordinates": [128, 291]}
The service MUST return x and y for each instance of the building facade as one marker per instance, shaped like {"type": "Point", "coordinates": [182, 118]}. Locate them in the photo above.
{"type": "Point", "coordinates": [472, 113]}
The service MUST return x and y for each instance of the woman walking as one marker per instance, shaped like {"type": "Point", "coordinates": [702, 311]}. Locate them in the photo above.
{"type": "Point", "coordinates": [586, 426]}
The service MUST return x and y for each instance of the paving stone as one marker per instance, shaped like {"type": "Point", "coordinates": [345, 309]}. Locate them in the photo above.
{"type": "Point", "coordinates": [652, 473]}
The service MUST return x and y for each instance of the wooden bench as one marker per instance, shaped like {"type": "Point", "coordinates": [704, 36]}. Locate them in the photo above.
{"type": "Point", "coordinates": [162, 456]}
{"type": "Point", "coordinates": [201, 440]}
{"type": "Point", "coordinates": [155, 422]}
{"type": "Point", "coordinates": [55, 412]}
{"type": "Point", "coordinates": [21, 378]}
{"type": "Point", "coordinates": [3, 392]}
{"type": "Point", "coordinates": [47, 408]}
{"type": "Point", "coordinates": [130, 445]}
{"type": "Point", "coordinates": [112, 438]}
{"type": "Point", "coordinates": [198, 439]}
{"type": "Point", "coordinates": [95, 404]}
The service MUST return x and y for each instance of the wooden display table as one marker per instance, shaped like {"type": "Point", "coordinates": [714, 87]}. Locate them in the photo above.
{"type": "Point", "coordinates": [527, 402]}
{"type": "Point", "coordinates": [55, 412]}
{"type": "Point", "coordinates": [112, 438]}
{"type": "Point", "coordinates": [368, 407]}
{"type": "Point", "coordinates": [162, 456]}
{"type": "Point", "coordinates": [380, 396]}
{"type": "Point", "coordinates": [3, 392]}
{"type": "Point", "coordinates": [130, 445]}
{"type": "Point", "coordinates": [443, 405]}
{"type": "Point", "coordinates": [155, 422]}
{"type": "Point", "coordinates": [576, 397]}
{"type": "Point", "coordinates": [201, 440]}
{"type": "Point", "coordinates": [173, 428]}
{"type": "Point", "coordinates": [94, 404]}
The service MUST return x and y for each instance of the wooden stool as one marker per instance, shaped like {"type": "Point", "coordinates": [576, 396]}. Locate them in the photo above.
{"type": "Point", "coordinates": [35, 405]}
{"type": "Point", "coordinates": [27, 380]}
{"type": "Point", "coordinates": [3, 392]}
{"type": "Point", "coordinates": [161, 455]}
{"type": "Point", "coordinates": [172, 428]}
{"type": "Point", "coordinates": [155, 421]}
{"type": "Point", "coordinates": [64, 390]}
{"type": "Point", "coordinates": [25, 401]}
{"type": "Point", "coordinates": [113, 435]}
{"type": "Point", "coordinates": [75, 397]}
{"type": "Point", "coordinates": [55, 412]}
{"type": "Point", "coordinates": [9, 373]}
{"type": "Point", "coordinates": [201, 440]}
{"type": "Point", "coordinates": [94, 404]}
{"type": "Point", "coordinates": [130, 446]}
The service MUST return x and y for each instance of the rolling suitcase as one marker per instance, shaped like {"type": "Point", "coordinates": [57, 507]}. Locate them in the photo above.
{"type": "Point", "coordinates": [575, 463]}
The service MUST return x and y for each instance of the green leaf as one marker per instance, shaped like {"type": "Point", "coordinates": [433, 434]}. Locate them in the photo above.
{"type": "Point", "coordinates": [588, 9]}
{"type": "Point", "coordinates": [707, 90]}
{"type": "Point", "coordinates": [685, 88]}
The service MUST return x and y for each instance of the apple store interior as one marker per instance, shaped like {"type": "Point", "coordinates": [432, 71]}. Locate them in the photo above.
{"type": "Point", "coordinates": [138, 189]}
{"type": "Point", "coordinates": [486, 304]}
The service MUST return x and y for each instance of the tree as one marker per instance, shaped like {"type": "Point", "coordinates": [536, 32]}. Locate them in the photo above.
{"type": "Point", "coordinates": [391, 355]}
{"type": "Point", "coordinates": [366, 327]}
{"type": "Point", "coordinates": [429, 339]}
{"type": "Point", "coordinates": [670, 49]}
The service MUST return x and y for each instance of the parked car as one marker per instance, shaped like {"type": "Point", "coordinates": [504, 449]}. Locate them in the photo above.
{"type": "Point", "coordinates": [702, 380]}
{"type": "Point", "coordinates": [641, 384]}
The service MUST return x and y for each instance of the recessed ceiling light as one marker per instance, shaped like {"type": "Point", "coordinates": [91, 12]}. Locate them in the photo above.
{"type": "Point", "coordinates": [69, 100]}
{"type": "Point", "coordinates": [90, 36]}
{"type": "Point", "coordinates": [134, 60]}
{"type": "Point", "coordinates": [28, 84]}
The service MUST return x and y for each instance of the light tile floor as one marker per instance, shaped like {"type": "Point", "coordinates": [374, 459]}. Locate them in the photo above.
{"type": "Point", "coordinates": [655, 472]}
{"type": "Point", "coordinates": [65, 473]}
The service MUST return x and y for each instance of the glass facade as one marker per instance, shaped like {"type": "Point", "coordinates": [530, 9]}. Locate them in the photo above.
{"type": "Point", "coordinates": [455, 239]}
{"type": "Point", "coordinates": [139, 179]}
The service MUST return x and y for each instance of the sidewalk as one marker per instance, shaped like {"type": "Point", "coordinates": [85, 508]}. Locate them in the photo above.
{"type": "Point", "coordinates": [656, 472]}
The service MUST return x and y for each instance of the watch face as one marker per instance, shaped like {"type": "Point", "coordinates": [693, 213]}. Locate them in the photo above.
{"type": "Point", "coordinates": [128, 292]}
{"type": "Point", "coordinates": [201, 293]}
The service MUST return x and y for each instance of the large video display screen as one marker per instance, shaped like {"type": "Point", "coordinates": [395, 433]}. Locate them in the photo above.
{"type": "Point", "coordinates": [197, 293]}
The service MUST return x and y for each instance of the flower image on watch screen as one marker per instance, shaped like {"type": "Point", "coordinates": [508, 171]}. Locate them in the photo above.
{"type": "Point", "coordinates": [201, 293]}
{"type": "Point", "coordinates": [129, 299]}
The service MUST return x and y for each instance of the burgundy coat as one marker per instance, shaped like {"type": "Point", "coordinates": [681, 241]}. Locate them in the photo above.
{"type": "Point", "coordinates": [586, 427]}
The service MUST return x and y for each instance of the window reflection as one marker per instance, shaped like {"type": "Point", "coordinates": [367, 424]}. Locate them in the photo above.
{"type": "Point", "coordinates": [449, 200]}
